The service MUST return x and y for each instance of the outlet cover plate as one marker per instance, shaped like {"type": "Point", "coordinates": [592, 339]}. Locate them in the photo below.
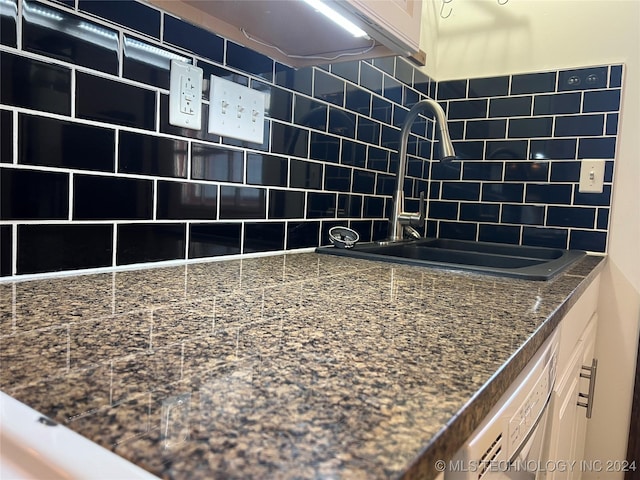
{"type": "Point", "coordinates": [236, 111]}
{"type": "Point", "coordinates": [591, 176]}
{"type": "Point", "coordinates": [185, 95]}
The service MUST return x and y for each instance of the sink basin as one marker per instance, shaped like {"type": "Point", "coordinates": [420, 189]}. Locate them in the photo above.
{"type": "Point", "coordinates": [530, 263]}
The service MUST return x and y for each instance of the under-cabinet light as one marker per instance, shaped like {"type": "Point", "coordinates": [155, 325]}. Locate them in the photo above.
{"type": "Point", "coordinates": [334, 16]}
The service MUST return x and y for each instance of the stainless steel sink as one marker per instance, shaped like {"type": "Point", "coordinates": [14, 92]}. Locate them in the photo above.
{"type": "Point", "coordinates": [531, 263]}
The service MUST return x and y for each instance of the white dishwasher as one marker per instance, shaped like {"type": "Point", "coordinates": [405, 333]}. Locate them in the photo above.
{"type": "Point", "coordinates": [510, 442]}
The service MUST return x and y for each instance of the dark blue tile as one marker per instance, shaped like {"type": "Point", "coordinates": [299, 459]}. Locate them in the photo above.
{"type": "Point", "coordinates": [392, 89]}
{"type": "Point", "coordinates": [289, 140]}
{"type": "Point", "coordinates": [328, 88]}
{"type": "Point", "coordinates": [404, 71]}
{"type": "Point", "coordinates": [347, 70]}
{"type": "Point", "coordinates": [602, 219]}
{"type": "Point", "coordinates": [399, 116]}
{"type": "Point", "coordinates": [303, 235]}
{"type": "Point", "coordinates": [415, 167]}
{"type": "Point", "coordinates": [249, 61]}
{"type": "Point", "coordinates": [533, 83]}
{"type": "Point", "coordinates": [305, 174]}
{"type": "Point", "coordinates": [425, 147]}
{"type": "Point", "coordinates": [363, 182]}
{"type": "Point", "coordinates": [194, 39]}
{"type": "Point", "coordinates": [263, 237]}
{"type": "Point", "coordinates": [364, 229]}
{"type": "Point", "coordinates": [390, 137]}
{"type": "Point", "coordinates": [579, 217]}
{"type": "Point", "coordinates": [263, 169]}
{"type": "Point", "coordinates": [601, 101]}
{"type": "Point", "coordinates": [530, 127]}
{"type": "Point", "coordinates": [489, 87]}
{"type": "Point", "coordinates": [358, 100]}
{"type": "Point", "coordinates": [70, 38]}
{"type": "Point", "coordinates": [325, 147]}
{"type": "Point", "coordinates": [349, 206]}
{"type": "Point", "coordinates": [33, 195]}
{"type": "Point", "coordinates": [482, 171]}
{"type": "Point", "coordinates": [602, 199]}
{"type": "Point", "coordinates": [422, 83]}
{"type": "Point", "coordinates": [612, 124]}
{"type": "Point", "coordinates": [321, 205]}
{"type": "Point", "coordinates": [9, 23]}
{"type": "Point", "coordinates": [300, 80]}
{"type": "Point", "coordinates": [510, 107]}
{"type": "Point", "coordinates": [280, 102]}
{"type": "Point", "coordinates": [502, 192]}
{"type": "Point", "coordinates": [49, 87]}
{"type": "Point", "coordinates": [286, 204]}
{"type": "Point", "coordinates": [483, 129]}
{"type": "Point", "coordinates": [142, 243]}
{"type": "Point", "coordinates": [615, 77]}
{"type": "Point", "coordinates": [545, 237]}
{"type": "Point", "coordinates": [186, 200]}
{"type": "Point", "coordinates": [337, 178]}
{"type": "Point", "coordinates": [147, 63]}
{"type": "Point", "coordinates": [431, 229]}
{"type": "Point", "coordinates": [506, 150]}
{"type": "Point", "coordinates": [56, 143]}
{"type": "Point", "coordinates": [373, 207]}
{"type": "Point", "coordinates": [451, 89]}
{"type": "Point", "coordinates": [590, 241]}
{"type": "Point", "coordinates": [93, 198]}
{"type": "Point", "coordinates": [370, 78]}
{"type": "Point", "coordinates": [385, 184]}
{"type": "Point", "coordinates": [386, 64]}
{"type": "Point", "coordinates": [556, 149]}
{"type": "Point", "coordinates": [499, 233]}
{"type": "Point", "coordinates": [129, 13]}
{"type": "Point", "coordinates": [54, 248]}
{"type": "Point", "coordinates": [548, 193]}
{"type": "Point", "coordinates": [150, 155]}
{"type": "Point", "coordinates": [411, 97]}
{"type": "Point", "coordinates": [443, 210]}
{"type": "Point", "coordinates": [368, 131]}
{"type": "Point", "coordinates": [460, 191]}
{"type": "Point", "coordinates": [608, 171]}
{"type": "Point", "coordinates": [106, 100]}
{"type": "Point", "coordinates": [480, 212]}
{"type": "Point", "coordinates": [310, 113]}
{"type": "Point", "coordinates": [530, 171]}
{"type": "Point", "coordinates": [6, 250]}
{"type": "Point", "coordinates": [468, 150]}
{"type": "Point", "coordinates": [380, 230]}
{"type": "Point", "coordinates": [381, 109]}
{"type": "Point", "coordinates": [557, 103]}
{"type": "Point", "coordinates": [354, 154]}
{"type": "Point", "coordinates": [597, 147]}
{"type": "Point", "coordinates": [523, 214]}
{"type": "Point", "coordinates": [467, 109]}
{"type": "Point", "coordinates": [6, 145]}
{"type": "Point", "coordinates": [342, 123]}
{"type": "Point", "coordinates": [446, 170]}
{"type": "Point", "coordinates": [214, 239]}
{"type": "Point", "coordinates": [378, 159]}
{"type": "Point", "coordinates": [242, 202]}
{"type": "Point", "coordinates": [583, 78]}
{"type": "Point", "coordinates": [460, 231]}
{"type": "Point", "coordinates": [565, 171]}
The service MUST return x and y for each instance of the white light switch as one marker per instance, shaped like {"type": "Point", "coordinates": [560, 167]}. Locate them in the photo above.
{"type": "Point", "coordinates": [236, 111]}
{"type": "Point", "coordinates": [185, 95]}
{"type": "Point", "coordinates": [591, 176]}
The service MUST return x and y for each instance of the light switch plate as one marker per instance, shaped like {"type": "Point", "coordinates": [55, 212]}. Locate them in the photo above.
{"type": "Point", "coordinates": [236, 111]}
{"type": "Point", "coordinates": [591, 176]}
{"type": "Point", "coordinates": [185, 95]}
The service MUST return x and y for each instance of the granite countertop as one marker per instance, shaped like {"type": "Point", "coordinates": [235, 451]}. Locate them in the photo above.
{"type": "Point", "coordinates": [290, 366]}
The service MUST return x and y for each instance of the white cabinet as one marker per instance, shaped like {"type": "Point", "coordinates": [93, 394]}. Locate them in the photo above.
{"type": "Point", "coordinates": [295, 34]}
{"type": "Point", "coordinates": [568, 419]}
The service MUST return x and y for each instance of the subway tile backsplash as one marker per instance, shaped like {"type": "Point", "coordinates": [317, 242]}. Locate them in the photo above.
{"type": "Point", "coordinates": [92, 174]}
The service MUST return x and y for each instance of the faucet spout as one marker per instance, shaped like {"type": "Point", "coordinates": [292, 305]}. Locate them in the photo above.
{"type": "Point", "coordinates": [399, 219]}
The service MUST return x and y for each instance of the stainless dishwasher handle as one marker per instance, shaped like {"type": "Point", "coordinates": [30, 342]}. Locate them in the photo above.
{"type": "Point", "coordinates": [591, 376]}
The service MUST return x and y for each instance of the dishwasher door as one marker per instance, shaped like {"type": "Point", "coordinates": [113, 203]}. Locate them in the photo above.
{"type": "Point", "coordinates": [510, 442]}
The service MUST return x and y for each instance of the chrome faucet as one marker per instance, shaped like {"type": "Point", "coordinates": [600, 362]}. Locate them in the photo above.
{"type": "Point", "coordinates": [401, 221]}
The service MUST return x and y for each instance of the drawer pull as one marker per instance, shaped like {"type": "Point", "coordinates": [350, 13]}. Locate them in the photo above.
{"type": "Point", "coordinates": [591, 376]}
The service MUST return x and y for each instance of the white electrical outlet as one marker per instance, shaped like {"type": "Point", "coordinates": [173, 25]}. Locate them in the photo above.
{"type": "Point", "coordinates": [185, 95]}
{"type": "Point", "coordinates": [236, 111]}
{"type": "Point", "coordinates": [591, 176]}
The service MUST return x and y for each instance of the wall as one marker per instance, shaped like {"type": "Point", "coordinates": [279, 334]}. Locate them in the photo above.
{"type": "Point", "coordinates": [482, 38]}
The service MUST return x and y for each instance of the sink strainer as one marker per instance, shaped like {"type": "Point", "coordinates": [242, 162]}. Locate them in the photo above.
{"type": "Point", "coordinates": [343, 237]}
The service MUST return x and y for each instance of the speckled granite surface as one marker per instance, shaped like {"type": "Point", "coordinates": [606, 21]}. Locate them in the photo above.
{"type": "Point", "coordinates": [294, 366]}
